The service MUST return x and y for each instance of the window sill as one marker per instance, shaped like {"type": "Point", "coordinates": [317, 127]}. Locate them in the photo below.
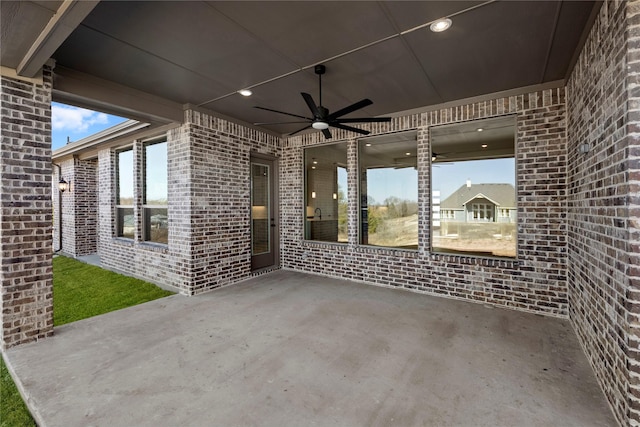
{"type": "Point", "coordinates": [384, 250]}
{"type": "Point", "coordinates": [149, 246]}
{"type": "Point", "coordinates": [155, 247]}
{"type": "Point", "coordinates": [323, 244]}
{"type": "Point", "coordinates": [125, 241]}
{"type": "Point", "coordinates": [475, 260]}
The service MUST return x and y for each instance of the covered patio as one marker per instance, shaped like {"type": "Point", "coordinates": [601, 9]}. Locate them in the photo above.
{"type": "Point", "coordinates": [370, 114]}
{"type": "Point", "coordinates": [293, 349]}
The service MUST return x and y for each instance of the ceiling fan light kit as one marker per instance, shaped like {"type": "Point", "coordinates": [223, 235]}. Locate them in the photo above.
{"type": "Point", "coordinates": [322, 119]}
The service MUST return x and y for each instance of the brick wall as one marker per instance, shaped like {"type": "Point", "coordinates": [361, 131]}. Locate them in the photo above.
{"type": "Point", "coordinates": [25, 210]}
{"type": "Point", "coordinates": [145, 260]}
{"type": "Point", "coordinates": [79, 207]}
{"type": "Point", "coordinates": [603, 213]}
{"type": "Point", "coordinates": [633, 194]}
{"type": "Point", "coordinates": [85, 200]}
{"type": "Point", "coordinates": [535, 282]}
{"type": "Point", "coordinates": [219, 198]}
{"type": "Point", "coordinates": [208, 207]}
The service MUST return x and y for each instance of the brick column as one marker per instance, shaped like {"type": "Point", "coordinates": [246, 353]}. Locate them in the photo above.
{"type": "Point", "coordinates": [25, 210]}
{"type": "Point", "coordinates": [79, 207]}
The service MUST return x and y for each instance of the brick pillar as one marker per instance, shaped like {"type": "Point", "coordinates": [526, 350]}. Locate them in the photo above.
{"type": "Point", "coordinates": [85, 195]}
{"type": "Point", "coordinates": [79, 207]}
{"type": "Point", "coordinates": [25, 210]}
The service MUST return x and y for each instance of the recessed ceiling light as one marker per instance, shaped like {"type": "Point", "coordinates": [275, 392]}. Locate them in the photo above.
{"type": "Point", "coordinates": [245, 92]}
{"type": "Point", "coordinates": [368, 144]}
{"type": "Point", "coordinates": [408, 154]}
{"type": "Point", "coordinates": [315, 162]}
{"type": "Point", "coordinates": [479, 129]}
{"type": "Point", "coordinates": [484, 145]}
{"type": "Point", "coordinates": [313, 167]}
{"type": "Point", "coordinates": [440, 25]}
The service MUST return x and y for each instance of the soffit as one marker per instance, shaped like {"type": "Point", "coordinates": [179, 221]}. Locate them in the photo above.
{"type": "Point", "coordinates": [202, 52]}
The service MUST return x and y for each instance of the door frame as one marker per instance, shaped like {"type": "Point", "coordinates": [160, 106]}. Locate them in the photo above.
{"type": "Point", "coordinates": [275, 208]}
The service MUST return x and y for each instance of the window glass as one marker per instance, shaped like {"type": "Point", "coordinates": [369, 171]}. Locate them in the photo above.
{"type": "Point", "coordinates": [326, 192]}
{"type": "Point", "coordinates": [125, 224]}
{"type": "Point", "coordinates": [155, 219]}
{"type": "Point", "coordinates": [389, 191]}
{"type": "Point", "coordinates": [474, 188]}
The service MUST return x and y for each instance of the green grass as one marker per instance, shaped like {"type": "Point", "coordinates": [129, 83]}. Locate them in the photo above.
{"type": "Point", "coordinates": [82, 290]}
{"type": "Point", "coordinates": [79, 291]}
{"type": "Point", "coordinates": [13, 411]}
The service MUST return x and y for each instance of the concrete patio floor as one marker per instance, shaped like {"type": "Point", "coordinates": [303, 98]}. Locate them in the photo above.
{"type": "Point", "coordinates": [291, 349]}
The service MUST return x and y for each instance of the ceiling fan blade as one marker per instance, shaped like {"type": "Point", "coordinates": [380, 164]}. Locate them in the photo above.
{"type": "Point", "coordinates": [278, 123]}
{"type": "Point", "coordinates": [353, 107]}
{"type": "Point", "coordinates": [283, 112]}
{"type": "Point", "coordinates": [311, 104]}
{"type": "Point", "coordinates": [327, 134]}
{"type": "Point", "coordinates": [349, 128]}
{"type": "Point", "coordinates": [364, 120]}
{"type": "Point", "coordinates": [299, 130]}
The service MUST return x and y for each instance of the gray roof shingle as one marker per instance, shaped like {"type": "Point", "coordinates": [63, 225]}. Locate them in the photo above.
{"type": "Point", "coordinates": [503, 195]}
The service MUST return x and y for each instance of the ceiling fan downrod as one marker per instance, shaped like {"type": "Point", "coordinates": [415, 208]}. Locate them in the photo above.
{"type": "Point", "coordinates": [320, 70]}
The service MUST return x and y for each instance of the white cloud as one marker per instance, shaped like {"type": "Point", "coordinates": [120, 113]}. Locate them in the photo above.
{"type": "Point", "coordinates": [74, 119]}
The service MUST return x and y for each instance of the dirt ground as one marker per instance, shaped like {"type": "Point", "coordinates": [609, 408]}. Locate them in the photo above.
{"type": "Point", "coordinates": [403, 232]}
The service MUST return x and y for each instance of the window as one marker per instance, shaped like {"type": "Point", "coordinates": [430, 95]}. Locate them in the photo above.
{"type": "Point", "coordinates": [482, 212]}
{"type": "Point", "coordinates": [473, 173]}
{"type": "Point", "coordinates": [389, 190]}
{"type": "Point", "coordinates": [326, 193]}
{"type": "Point", "coordinates": [155, 223]}
{"type": "Point", "coordinates": [125, 223]}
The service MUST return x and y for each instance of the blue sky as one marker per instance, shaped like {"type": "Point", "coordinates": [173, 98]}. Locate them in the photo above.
{"type": "Point", "coordinates": [77, 123]}
{"type": "Point", "coordinates": [447, 178]}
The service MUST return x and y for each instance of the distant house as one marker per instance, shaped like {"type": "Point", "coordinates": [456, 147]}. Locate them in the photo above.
{"type": "Point", "coordinates": [480, 203]}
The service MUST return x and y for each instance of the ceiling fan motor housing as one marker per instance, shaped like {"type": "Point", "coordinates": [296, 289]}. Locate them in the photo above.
{"type": "Point", "coordinates": [322, 113]}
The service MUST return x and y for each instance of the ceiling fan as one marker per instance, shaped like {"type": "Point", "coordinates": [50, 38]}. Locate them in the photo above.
{"type": "Point", "coordinates": [321, 118]}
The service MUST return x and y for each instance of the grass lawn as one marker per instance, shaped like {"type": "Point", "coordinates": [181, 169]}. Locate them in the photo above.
{"type": "Point", "coordinates": [79, 291]}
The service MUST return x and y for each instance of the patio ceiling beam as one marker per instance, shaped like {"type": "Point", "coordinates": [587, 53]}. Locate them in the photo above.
{"type": "Point", "coordinates": [69, 15]}
{"type": "Point", "coordinates": [87, 91]}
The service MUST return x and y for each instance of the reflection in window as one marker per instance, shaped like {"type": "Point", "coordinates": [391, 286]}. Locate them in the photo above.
{"type": "Point", "coordinates": [125, 224]}
{"type": "Point", "coordinates": [473, 188]}
{"type": "Point", "coordinates": [326, 192]}
{"type": "Point", "coordinates": [389, 191]}
{"type": "Point", "coordinates": [155, 221]}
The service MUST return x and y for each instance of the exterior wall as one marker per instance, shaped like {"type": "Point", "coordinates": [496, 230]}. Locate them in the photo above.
{"type": "Point", "coordinates": [79, 207]}
{"type": "Point", "coordinates": [145, 260]}
{"type": "Point", "coordinates": [208, 207]}
{"type": "Point", "coordinates": [603, 205]}
{"type": "Point", "coordinates": [85, 195]}
{"type": "Point", "coordinates": [535, 281]}
{"type": "Point", "coordinates": [633, 198]}
{"type": "Point", "coordinates": [25, 211]}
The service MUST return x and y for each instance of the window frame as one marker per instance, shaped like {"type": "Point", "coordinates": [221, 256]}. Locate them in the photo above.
{"type": "Point", "coordinates": [410, 134]}
{"type": "Point", "coordinates": [496, 211]}
{"type": "Point", "coordinates": [307, 195]}
{"type": "Point", "coordinates": [118, 207]}
{"type": "Point", "coordinates": [144, 206]}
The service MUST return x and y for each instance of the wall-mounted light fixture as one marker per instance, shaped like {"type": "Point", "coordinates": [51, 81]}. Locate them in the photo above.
{"type": "Point", "coordinates": [584, 148]}
{"type": "Point", "coordinates": [63, 185]}
{"type": "Point", "coordinates": [335, 196]}
{"type": "Point", "coordinates": [313, 194]}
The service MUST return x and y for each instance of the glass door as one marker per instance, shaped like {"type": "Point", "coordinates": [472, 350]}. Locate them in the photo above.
{"type": "Point", "coordinates": [263, 214]}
